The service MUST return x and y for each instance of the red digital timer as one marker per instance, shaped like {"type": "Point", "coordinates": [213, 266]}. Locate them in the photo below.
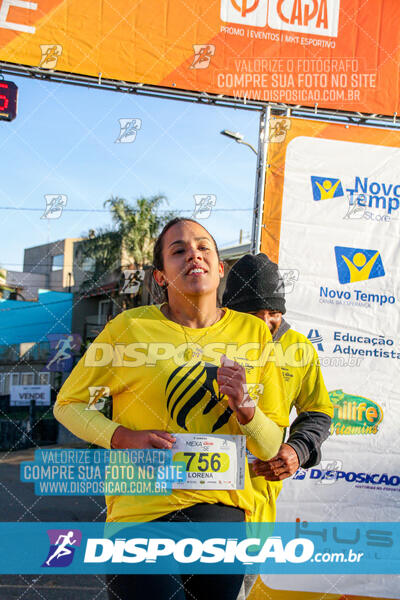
{"type": "Point", "coordinates": [8, 100]}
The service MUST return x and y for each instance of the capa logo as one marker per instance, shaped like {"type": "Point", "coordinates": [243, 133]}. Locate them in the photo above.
{"type": "Point", "coordinates": [354, 415]}
{"type": "Point", "coordinates": [245, 12]}
{"type": "Point", "coordinates": [245, 6]}
{"type": "Point", "coordinates": [317, 17]}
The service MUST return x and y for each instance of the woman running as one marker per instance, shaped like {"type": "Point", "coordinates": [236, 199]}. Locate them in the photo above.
{"type": "Point", "coordinates": [185, 366]}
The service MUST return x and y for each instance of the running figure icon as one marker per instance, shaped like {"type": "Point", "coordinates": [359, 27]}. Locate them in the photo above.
{"type": "Point", "coordinates": [64, 350]}
{"type": "Point", "coordinates": [62, 550]}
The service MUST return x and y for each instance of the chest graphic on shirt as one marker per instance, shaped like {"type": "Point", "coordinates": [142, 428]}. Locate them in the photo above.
{"type": "Point", "coordinates": [192, 394]}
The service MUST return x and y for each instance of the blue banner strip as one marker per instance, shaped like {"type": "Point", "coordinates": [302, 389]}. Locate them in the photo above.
{"type": "Point", "coordinates": [164, 547]}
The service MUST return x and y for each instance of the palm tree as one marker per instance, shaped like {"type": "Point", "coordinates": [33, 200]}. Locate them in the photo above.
{"type": "Point", "coordinates": [138, 225]}
{"type": "Point", "coordinates": [101, 252]}
{"type": "Point", "coordinates": [128, 243]}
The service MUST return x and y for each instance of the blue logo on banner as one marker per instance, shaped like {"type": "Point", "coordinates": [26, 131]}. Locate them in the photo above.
{"type": "Point", "coordinates": [358, 264]}
{"type": "Point", "coordinates": [315, 338]}
{"type": "Point", "coordinates": [198, 548]}
{"type": "Point", "coordinates": [63, 348]}
{"type": "Point", "coordinates": [300, 474]}
{"type": "Point", "coordinates": [62, 547]}
{"type": "Point", "coordinates": [325, 188]}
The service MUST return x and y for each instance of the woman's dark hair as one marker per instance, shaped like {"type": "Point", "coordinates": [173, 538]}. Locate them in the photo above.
{"type": "Point", "coordinates": [158, 262]}
{"type": "Point", "coordinates": [160, 294]}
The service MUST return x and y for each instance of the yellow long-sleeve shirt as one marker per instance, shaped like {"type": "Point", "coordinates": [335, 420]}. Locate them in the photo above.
{"type": "Point", "coordinates": [141, 358]}
{"type": "Point", "coordinates": [305, 391]}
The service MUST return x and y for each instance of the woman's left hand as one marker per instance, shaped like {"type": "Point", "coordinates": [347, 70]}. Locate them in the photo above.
{"type": "Point", "coordinates": [231, 379]}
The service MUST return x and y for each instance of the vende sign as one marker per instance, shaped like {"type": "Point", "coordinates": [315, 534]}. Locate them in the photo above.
{"type": "Point", "coordinates": [21, 395]}
{"type": "Point", "coordinates": [316, 17]}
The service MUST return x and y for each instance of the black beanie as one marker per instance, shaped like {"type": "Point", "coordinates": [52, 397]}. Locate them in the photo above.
{"type": "Point", "coordinates": [254, 284]}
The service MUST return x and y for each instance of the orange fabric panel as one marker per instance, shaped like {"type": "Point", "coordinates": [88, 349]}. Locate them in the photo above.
{"type": "Point", "coordinates": [152, 41]}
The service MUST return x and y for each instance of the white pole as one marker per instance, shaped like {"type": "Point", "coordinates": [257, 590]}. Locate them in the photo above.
{"type": "Point", "coordinates": [260, 180]}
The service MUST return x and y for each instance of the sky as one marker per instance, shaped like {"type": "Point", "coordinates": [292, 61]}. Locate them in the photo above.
{"type": "Point", "coordinates": [63, 141]}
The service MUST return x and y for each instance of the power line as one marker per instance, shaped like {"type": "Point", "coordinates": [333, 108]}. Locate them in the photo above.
{"type": "Point", "coordinates": [101, 210]}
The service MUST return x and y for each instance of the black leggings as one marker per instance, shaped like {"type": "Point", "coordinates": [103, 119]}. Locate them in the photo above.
{"type": "Point", "coordinates": [182, 587]}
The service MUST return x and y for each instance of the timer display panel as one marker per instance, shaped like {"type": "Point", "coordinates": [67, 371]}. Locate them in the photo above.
{"type": "Point", "coordinates": [8, 100]}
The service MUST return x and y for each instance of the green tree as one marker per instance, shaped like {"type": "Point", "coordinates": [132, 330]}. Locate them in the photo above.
{"type": "Point", "coordinates": [128, 242]}
{"type": "Point", "coordinates": [101, 252]}
{"type": "Point", "coordinates": [138, 225]}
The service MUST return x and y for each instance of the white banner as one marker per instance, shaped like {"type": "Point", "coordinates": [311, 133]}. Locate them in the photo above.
{"type": "Point", "coordinates": [340, 231]}
{"type": "Point", "coordinates": [21, 395]}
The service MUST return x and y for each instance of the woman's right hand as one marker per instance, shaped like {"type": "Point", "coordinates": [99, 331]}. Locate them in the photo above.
{"type": "Point", "coordinates": [146, 438]}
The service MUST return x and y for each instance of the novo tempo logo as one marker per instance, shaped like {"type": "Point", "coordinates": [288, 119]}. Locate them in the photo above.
{"type": "Point", "coordinates": [326, 188]}
{"type": "Point", "coordinates": [358, 264]}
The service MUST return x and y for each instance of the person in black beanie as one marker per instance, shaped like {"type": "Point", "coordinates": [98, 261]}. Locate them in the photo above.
{"type": "Point", "coordinates": [255, 286]}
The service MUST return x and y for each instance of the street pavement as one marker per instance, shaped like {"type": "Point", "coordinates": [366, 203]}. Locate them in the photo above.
{"type": "Point", "coordinates": [18, 502]}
